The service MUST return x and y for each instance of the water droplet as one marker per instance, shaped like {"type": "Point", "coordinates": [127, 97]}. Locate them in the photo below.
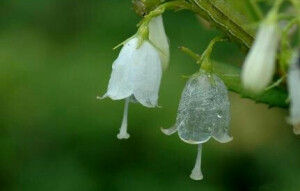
{"type": "Point", "coordinates": [219, 116]}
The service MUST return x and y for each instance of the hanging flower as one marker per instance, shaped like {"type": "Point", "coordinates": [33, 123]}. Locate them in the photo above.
{"type": "Point", "coordinates": [259, 65]}
{"type": "Point", "coordinates": [137, 71]}
{"type": "Point", "coordinates": [136, 77]}
{"type": "Point", "coordinates": [203, 112]}
{"type": "Point", "coordinates": [294, 91]}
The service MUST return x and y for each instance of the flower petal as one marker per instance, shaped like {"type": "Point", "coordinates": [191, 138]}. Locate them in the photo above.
{"type": "Point", "coordinates": [120, 84]}
{"type": "Point", "coordinates": [203, 110]}
{"type": "Point", "coordinates": [170, 130]}
{"type": "Point", "coordinates": [147, 74]}
{"type": "Point", "coordinates": [259, 65]}
{"type": "Point", "coordinates": [223, 137]}
{"type": "Point", "coordinates": [158, 37]}
{"type": "Point", "coordinates": [294, 91]}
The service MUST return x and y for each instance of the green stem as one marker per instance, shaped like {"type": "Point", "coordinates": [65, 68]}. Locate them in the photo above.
{"type": "Point", "coordinates": [171, 5]}
{"type": "Point", "coordinates": [285, 16]}
{"type": "Point", "coordinates": [143, 25]}
{"type": "Point", "coordinates": [189, 52]}
{"type": "Point", "coordinates": [275, 84]}
{"type": "Point", "coordinates": [205, 62]}
{"type": "Point", "coordinates": [255, 10]}
{"type": "Point", "coordinates": [286, 51]}
{"type": "Point", "coordinates": [277, 5]}
{"type": "Point", "coordinates": [296, 4]}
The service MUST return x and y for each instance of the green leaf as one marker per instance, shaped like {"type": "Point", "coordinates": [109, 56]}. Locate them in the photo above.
{"type": "Point", "coordinates": [275, 97]}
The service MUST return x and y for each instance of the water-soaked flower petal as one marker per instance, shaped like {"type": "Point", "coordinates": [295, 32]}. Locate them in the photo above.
{"type": "Point", "coordinates": [204, 112]}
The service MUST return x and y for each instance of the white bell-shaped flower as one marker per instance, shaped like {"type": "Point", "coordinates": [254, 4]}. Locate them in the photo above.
{"type": "Point", "coordinates": [259, 66]}
{"type": "Point", "coordinates": [136, 76]}
{"type": "Point", "coordinates": [294, 91]}
{"type": "Point", "coordinates": [204, 112]}
{"type": "Point", "coordinates": [158, 37]}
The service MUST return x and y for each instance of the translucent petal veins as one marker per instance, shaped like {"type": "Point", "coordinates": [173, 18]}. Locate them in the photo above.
{"type": "Point", "coordinates": [204, 110]}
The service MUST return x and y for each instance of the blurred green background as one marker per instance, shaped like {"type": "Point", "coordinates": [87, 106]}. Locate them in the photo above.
{"type": "Point", "coordinates": [55, 58]}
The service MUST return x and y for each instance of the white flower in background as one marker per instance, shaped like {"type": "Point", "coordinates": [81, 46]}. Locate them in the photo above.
{"type": "Point", "coordinates": [204, 112]}
{"type": "Point", "coordinates": [158, 37]}
{"type": "Point", "coordinates": [259, 65]}
{"type": "Point", "coordinates": [294, 91]}
{"type": "Point", "coordinates": [136, 76]}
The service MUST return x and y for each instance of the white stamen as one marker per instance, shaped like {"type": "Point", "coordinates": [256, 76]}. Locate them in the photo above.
{"type": "Point", "coordinates": [169, 131]}
{"type": "Point", "coordinates": [123, 130]}
{"type": "Point", "coordinates": [196, 172]}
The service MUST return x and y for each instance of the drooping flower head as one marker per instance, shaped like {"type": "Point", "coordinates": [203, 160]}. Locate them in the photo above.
{"type": "Point", "coordinates": [203, 112]}
{"type": "Point", "coordinates": [137, 72]}
{"type": "Point", "coordinates": [294, 91]}
{"type": "Point", "coordinates": [259, 65]}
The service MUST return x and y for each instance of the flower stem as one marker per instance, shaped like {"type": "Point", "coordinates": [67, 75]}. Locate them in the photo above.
{"type": "Point", "coordinates": [205, 62]}
{"type": "Point", "coordinates": [256, 10]}
{"type": "Point", "coordinates": [196, 172]}
{"type": "Point", "coordinates": [123, 130]}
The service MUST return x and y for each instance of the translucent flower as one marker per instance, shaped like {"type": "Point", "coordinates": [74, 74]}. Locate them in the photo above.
{"type": "Point", "coordinates": [158, 37]}
{"type": "Point", "coordinates": [259, 65]}
{"type": "Point", "coordinates": [204, 112]}
{"type": "Point", "coordinates": [136, 77]}
{"type": "Point", "coordinates": [294, 91]}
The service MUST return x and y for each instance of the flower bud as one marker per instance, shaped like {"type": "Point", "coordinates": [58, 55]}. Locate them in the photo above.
{"type": "Point", "coordinates": [259, 65]}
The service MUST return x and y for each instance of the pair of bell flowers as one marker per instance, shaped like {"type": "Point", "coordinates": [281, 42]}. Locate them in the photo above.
{"type": "Point", "coordinates": [137, 71]}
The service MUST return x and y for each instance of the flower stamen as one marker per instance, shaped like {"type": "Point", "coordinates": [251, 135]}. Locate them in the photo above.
{"type": "Point", "coordinates": [196, 172]}
{"type": "Point", "coordinates": [123, 130]}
